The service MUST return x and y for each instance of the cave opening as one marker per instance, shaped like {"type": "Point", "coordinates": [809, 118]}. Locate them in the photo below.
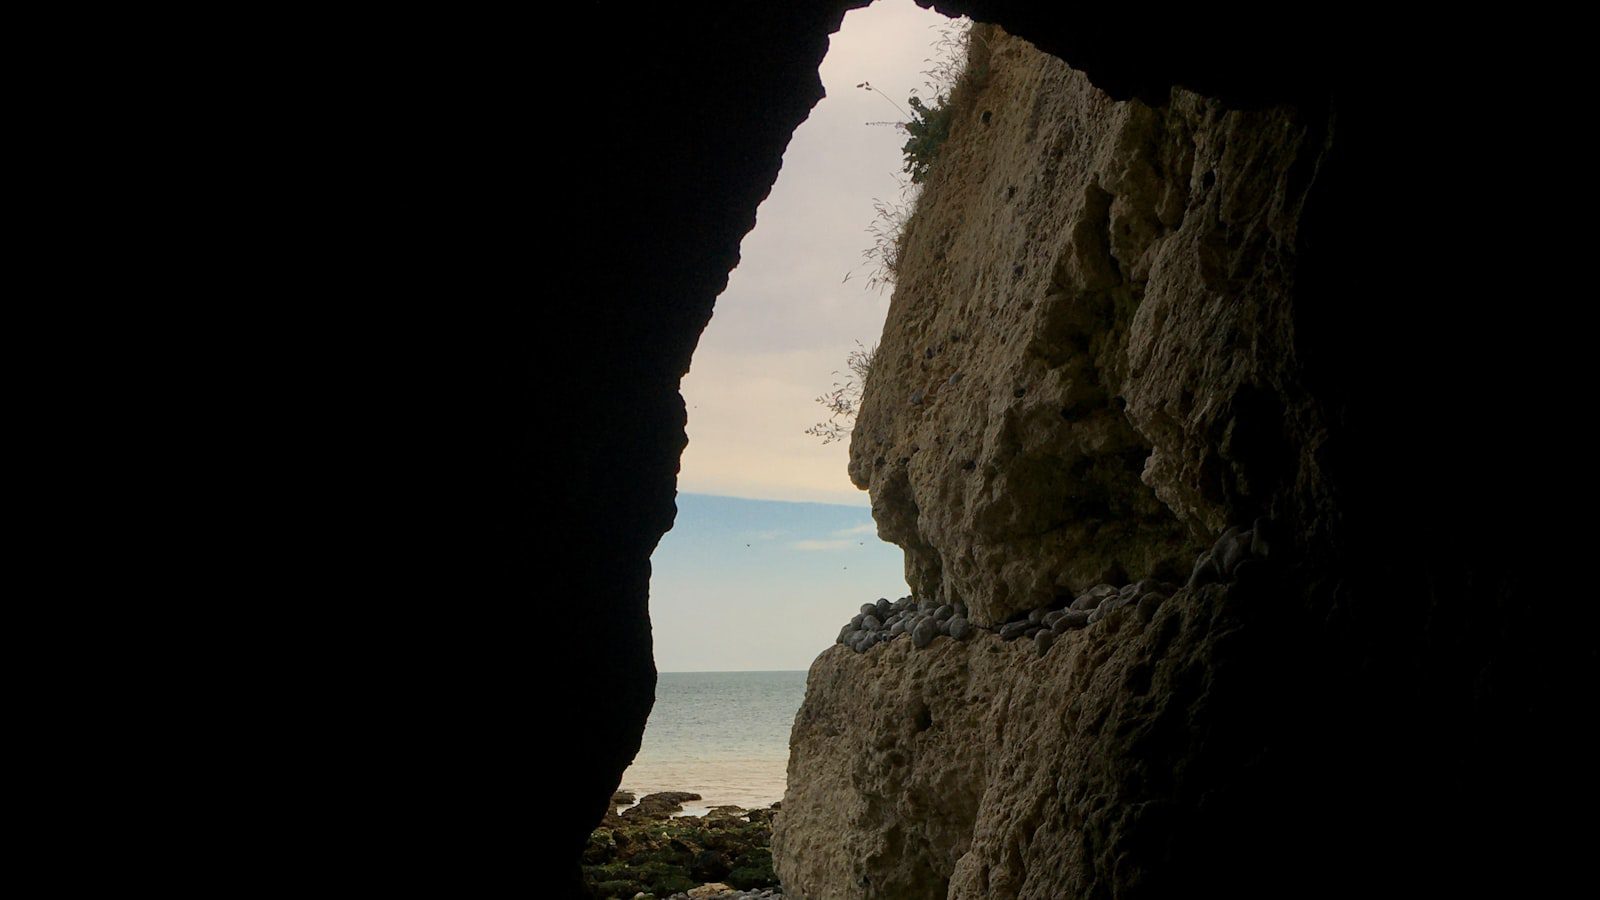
{"type": "Point", "coordinates": [1144, 62]}
{"type": "Point", "coordinates": [773, 547]}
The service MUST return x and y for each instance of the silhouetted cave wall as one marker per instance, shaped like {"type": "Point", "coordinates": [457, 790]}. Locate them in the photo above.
{"type": "Point", "coordinates": [667, 142]}
{"type": "Point", "coordinates": [1416, 255]}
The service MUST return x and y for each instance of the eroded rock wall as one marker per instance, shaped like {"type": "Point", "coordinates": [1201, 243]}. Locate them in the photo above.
{"type": "Point", "coordinates": [1419, 737]}
{"type": "Point", "coordinates": [984, 769]}
{"type": "Point", "coordinates": [1087, 371]}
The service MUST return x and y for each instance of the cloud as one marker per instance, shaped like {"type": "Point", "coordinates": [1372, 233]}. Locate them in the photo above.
{"type": "Point", "coordinates": [868, 528]}
{"type": "Point", "coordinates": [768, 535]}
{"type": "Point", "coordinates": [821, 545]}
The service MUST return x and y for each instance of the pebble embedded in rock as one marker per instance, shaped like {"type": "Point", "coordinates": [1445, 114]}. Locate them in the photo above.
{"type": "Point", "coordinates": [1232, 554]}
{"type": "Point", "coordinates": [857, 619]}
{"type": "Point", "coordinates": [899, 627]}
{"type": "Point", "coordinates": [1205, 571]}
{"type": "Point", "coordinates": [1227, 537]}
{"type": "Point", "coordinates": [1072, 618]}
{"type": "Point", "coordinates": [1012, 630]}
{"type": "Point", "coordinates": [884, 607]}
{"type": "Point", "coordinates": [1052, 617]}
{"type": "Point", "coordinates": [1108, 608]}
{"type": "Point", "coordinates": [1035, 616]}
{"type": "Point", "coordinates": [924, 634]}
{"type": "Point", "coordinates": [869, 609]}
{"type": "Point", "coordinates": [1093, 596]}
{"type": "Point", "coordinates": [1260, 539]}
{"type": "Point", "coordinates": [1043, 640]}
{"type": "Point", "coordinates": [1149, 603]}
{"type": "Point", "coordinates": [871, 623]}
{"type": "Point", "coordinates": [944, 612]}
{"type": "Point", "coordinates": [959, 627]}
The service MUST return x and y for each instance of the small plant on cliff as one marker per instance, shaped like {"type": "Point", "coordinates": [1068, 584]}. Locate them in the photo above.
{"type": "Point", "coordinates": [844, 400]}
{"type": "Point", "coordinates": [887, 229]}
{"type": "Point", "coordinates": [956, 71]}
{"type": "Point", "coordinates": [929, 126]}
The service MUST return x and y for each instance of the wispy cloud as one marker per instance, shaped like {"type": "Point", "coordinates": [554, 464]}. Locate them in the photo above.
{"type": "Point", "coordinates": [868, 528]}
{"type": "Point", "coordinates": [821, 545]}
{"type": "Point", "coordinates": [768, 535]}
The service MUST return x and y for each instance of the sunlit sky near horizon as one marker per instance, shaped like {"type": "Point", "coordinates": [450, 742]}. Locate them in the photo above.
{"type": "Point", "coordinates": [781, 330]}
{"type": "Point", "coordinates": [763, 585]}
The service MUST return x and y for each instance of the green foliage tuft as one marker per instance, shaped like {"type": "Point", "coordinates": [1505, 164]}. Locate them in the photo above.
{"type": "Point", "coordinates": [929, 127]}
{"type": "Point", "coordinates": [960, 69]}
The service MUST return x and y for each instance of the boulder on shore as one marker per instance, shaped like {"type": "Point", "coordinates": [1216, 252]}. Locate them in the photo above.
{"type": "Point", "coordinates": [659, 805]}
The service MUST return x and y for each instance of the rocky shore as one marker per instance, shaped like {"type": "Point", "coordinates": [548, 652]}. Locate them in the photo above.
{"type": "Point", "coordinates": [645, 853]}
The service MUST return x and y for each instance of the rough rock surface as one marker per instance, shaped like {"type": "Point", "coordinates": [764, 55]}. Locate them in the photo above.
{"type": "Point", "coordinates": [1435, 264]}
{"type": "Point", "coordinates": [1114, 283]}
{"type": "Point", "coordinates": [1111, 283]}
{"type": "Point", "coordinates": [983, 769]}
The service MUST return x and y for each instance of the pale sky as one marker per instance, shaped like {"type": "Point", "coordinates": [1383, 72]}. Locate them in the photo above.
{"type": "Point", "coordinates": [764, 582]}
{"type": "Point", "coordinates": [763, 585]}
{"type": "Point", "coordinates": [786, 322]}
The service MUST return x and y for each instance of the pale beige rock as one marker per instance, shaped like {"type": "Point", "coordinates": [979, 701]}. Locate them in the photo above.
{"type": "Point", "coordinates": [979, 769]}
{"type": "Point", "coordinates": [1112, 283]}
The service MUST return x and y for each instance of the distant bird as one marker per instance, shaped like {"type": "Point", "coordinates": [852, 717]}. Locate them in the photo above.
{"type": "Point", "coordinates": [847, 277]}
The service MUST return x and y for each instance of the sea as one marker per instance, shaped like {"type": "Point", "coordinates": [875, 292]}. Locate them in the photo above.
{"type": "Point", "coordinates": [722, 735]}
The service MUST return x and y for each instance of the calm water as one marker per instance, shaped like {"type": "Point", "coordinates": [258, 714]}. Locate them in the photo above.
{"type": "Point", "coordinates": [722, 735]}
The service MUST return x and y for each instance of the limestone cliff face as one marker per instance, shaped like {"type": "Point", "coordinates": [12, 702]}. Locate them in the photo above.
{"type": "Point", "coordinates": [982, 769]}
{"type": "Point", "coordinates": [1088, 372]}
{"type": "Point", "coordinates": [1409, 728]}
{"type": "Point", "coordinates": [1088, 368]}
